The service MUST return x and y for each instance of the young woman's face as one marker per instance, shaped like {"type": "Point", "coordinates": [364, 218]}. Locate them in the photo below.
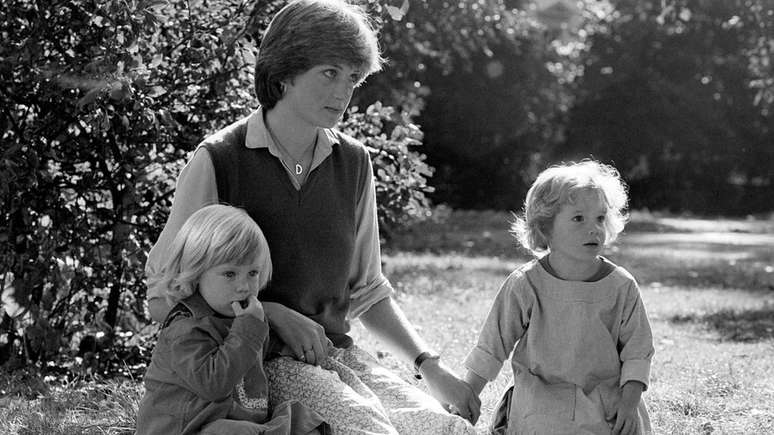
{"type": "Point", "coordinates": [578, 230]}
{"type": "Point", "coordinates": [228, 282]}
{"type": "Point", "coordinates": [319, 96]}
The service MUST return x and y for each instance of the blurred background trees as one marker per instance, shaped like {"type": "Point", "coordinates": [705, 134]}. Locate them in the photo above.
{"type": "Point", "coordinates": [677, 94]}
{"type": "Point", "coordinates": [102, 100]}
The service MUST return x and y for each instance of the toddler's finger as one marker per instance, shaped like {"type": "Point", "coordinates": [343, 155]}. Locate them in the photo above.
{"type": "Point", "coordinates": [627, 428]}
{"type": "Point", "coordinates": [252, 301]}
{"type": "Point", "coordinates": [633, 426]}
{"type": "Point", "coordinates": [618, 425]}
{"type": "Point", "coordinates": [475, 410]}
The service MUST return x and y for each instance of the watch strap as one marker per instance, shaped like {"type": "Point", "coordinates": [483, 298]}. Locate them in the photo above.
{"type": "Point", "coordinates": [420, 359]}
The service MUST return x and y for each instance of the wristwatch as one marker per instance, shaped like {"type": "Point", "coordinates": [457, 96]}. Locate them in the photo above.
{"type": "Point", "coordinates": [420, 359]}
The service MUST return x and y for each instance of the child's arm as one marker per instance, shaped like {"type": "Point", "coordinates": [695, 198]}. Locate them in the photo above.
{"type": "Point", "coordinates": [476, 382]}
{"type": "Point", "coordinates": [636, 350]}
{"type": "Point", "coordinates": [212, 370]}
{"type": "Point", "coordinates": [635, 340]}
{"type": "Point", "coordinates": [504, 326]}
{"type": "Point", "coordinates": [626, 419]}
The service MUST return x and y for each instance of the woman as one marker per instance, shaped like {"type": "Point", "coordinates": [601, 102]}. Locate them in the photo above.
{"type": "Point", "coordinates": [311, 190]}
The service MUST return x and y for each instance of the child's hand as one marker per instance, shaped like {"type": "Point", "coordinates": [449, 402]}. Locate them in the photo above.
{"type": "Point", "coordinates": [627, 418]}
{"type": "Point", "coordinates": [253, 308]}
{"type": "Point", "coordinates": [449, 389]}
{"type": "Point", "coordinates": [469, 406]}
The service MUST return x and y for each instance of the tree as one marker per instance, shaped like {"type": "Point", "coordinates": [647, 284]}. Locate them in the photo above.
{"type": "Point", "coordinates": [673, 95]}
{"type": "Point", "coordinates": [102, 102]}
{"type": "Point", "coordinates": [485, 81]}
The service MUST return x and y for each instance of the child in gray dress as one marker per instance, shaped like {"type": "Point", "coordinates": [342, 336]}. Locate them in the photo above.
{"type": "Point", "coordinates": [571, 320]}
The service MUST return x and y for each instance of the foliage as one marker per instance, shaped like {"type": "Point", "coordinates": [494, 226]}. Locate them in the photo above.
{"type": "Point", "coordinates": [669, 91]}
{"type": "Point", "coordinates": [488, 80]}
{"type": "Point", "coordinates": [401, 175]}
{"type": "Point", "coordinates": [102, 102]}
{"type": "Point", "coordinates": [675, 95]}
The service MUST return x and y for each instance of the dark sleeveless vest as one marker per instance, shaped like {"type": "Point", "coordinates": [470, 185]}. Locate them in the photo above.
{"type": "Point", "coordinates": [311, 232]}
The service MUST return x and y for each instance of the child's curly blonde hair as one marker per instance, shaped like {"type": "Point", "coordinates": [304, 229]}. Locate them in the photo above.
{"type": "Point", "coordinates": [557, 186]}
{"type": "Point", "coordinates": [213, 235]}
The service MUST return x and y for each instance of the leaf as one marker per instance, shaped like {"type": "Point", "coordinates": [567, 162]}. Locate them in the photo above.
{"type": "Point", "coordinates": [90, 97]}
{"type": "Point", "coordinates": [156, 91]}
{"type": "Point", "coordinates": [153, 3]}
{"type": "Point", "coordinates": [405, 6]}
{"type": "Point", "coordinates": [395, 13]}
{"type": "Point", "coordinates": [158, 58]}
{"type": "Point", "coordinates": [117, 91]}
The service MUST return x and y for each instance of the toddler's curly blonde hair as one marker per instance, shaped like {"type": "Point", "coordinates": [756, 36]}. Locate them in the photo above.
{"type": "Point", "coordinates": [557, 186]}
{"type": "Point", "coordinates": [213, 235]}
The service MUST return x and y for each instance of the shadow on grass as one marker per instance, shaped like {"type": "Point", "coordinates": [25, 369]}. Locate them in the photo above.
{"type": "Point", "coordinates": [745, 326]}
{"type": "Point", "coordinates": [752, 275]}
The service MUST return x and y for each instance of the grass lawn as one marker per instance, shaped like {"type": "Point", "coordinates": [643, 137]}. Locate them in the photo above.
{"type": "Point", "coordinates": [708, 287]}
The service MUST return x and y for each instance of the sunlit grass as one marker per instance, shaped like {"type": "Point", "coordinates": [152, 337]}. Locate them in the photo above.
{"type": "Point", "coordinates": [708, 287]}
{"type": "Point", "coordinates": [80, 407]}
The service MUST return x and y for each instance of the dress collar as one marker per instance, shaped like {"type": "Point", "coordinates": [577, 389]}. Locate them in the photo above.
{"type": "Point", "coordinates": [606, 267]}
{"type": "Point", "coordinates": [258, 137]}
{"type": "Point", "coordinates": [197, 305]}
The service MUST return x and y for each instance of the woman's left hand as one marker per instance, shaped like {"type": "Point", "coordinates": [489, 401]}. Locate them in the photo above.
{"type": "Point", "coordinates": [449, 389]}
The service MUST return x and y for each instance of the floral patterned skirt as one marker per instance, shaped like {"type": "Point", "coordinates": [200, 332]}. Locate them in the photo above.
{"type": "Point", "coordinates": [355, 395]}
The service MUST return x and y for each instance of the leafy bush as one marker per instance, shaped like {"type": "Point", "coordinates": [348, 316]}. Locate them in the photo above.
{"type": "Point", "coordinates": [102, 102]}
{"type": "Point", "coordinates": [401, 174]}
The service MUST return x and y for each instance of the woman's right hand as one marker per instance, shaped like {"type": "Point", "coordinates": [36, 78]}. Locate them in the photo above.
{"type": "Point", "coordinates": [450, 390]}
{"type": "Point", "coordinates": [303, 336]}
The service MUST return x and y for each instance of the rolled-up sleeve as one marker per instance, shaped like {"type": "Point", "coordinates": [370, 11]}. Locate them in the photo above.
{"type": "Point", "coordinates": [367, 283]}
{"type": "Point", "coordinates": [635, 340]}
{"type": "Point", "coordinates": [196, 187]}
{"type": "Point", "coordinates": [484, 364]}
{"type": "Point", "coordinates": [636, 370]}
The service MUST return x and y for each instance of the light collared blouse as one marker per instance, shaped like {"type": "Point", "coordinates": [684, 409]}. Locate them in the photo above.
{"type": "Point", "coordinates": [197, 187]}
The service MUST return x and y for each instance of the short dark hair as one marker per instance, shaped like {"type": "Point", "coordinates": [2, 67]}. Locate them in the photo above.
{"type": "Point", "coordinates": [306, 33]}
